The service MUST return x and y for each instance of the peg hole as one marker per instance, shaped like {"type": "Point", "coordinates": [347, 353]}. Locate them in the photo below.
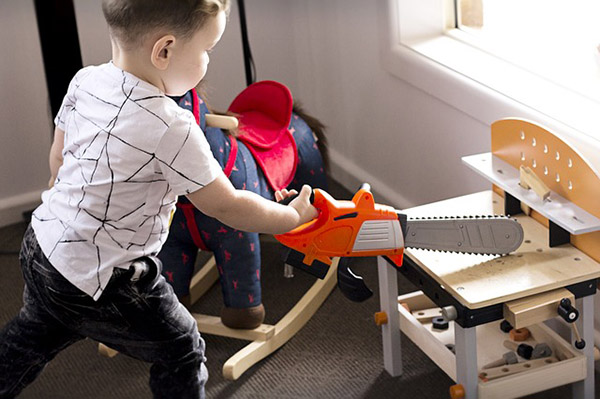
{"type": "Point", "coordinates": [533, 142]}
{"type": "Point", "coordinates": [545, 149]}
{"type": "Point", "coordinates": [522, 135]}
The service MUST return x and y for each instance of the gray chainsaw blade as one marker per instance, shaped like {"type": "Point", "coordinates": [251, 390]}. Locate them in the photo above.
{"type": "Point", "coordinates": [478, 235]}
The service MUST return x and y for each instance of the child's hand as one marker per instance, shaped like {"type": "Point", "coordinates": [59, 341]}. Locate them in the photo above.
{"type": "Point", "coordinates": [280, 195]}
{"type": "Point", "coordinates": [301, 203]}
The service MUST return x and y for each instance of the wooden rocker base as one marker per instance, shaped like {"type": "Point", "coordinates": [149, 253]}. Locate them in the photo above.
{"type": "Point", "coordinates": [266, 338]}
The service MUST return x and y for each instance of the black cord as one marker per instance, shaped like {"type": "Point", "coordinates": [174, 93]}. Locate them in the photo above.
{"type": "Point", "coordinates": [249, 66]}
{"type": "Point", "coordinates": [456, 11]}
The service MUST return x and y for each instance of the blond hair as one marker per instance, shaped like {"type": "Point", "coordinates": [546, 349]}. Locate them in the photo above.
{"type": "Point", "coordinates": [130, 21]}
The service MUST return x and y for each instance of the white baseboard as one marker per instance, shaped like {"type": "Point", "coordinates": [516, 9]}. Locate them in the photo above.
{"type": "Point", "coordinates": [12, 208]}
{"type": "Point", "coordinates": [351, 176]}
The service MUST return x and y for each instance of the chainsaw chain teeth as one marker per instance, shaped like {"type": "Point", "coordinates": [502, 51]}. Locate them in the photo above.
{"type": "Point", "coordinates": [460, 217]}
{"type": "Point", "coordinates": [455, 252]}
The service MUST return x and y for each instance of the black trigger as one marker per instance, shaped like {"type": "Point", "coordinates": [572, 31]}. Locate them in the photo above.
{"type": "Point", "coordinates": [352, 285]}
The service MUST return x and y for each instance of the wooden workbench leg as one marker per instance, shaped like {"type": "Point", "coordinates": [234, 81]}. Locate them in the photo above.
{"type": "Point", "coordinates": [465, 341]}
{"type": "Point", "coordinates": [390, 332]}
{"type": "Point", "coordinates": [585, 389]}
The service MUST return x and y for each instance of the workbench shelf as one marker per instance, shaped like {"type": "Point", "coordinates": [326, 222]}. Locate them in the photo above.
{"type": "Point", "coordinates": [565, 366]}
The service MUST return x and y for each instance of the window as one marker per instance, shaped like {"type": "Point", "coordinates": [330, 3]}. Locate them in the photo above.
{"type": "Point", "coordinates": [557, 39]}
{"type": "Point", "coordinates": [421, 44]}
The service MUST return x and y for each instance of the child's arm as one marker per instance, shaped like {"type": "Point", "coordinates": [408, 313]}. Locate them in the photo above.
{"type": "Point", "coordinates": [56, 158]}
{"type": "Point", "coordinates": [247, 211]}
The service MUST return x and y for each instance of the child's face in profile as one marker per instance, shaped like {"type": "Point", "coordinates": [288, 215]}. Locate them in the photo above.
{"type": "Point", "coordinates": [188, 66]}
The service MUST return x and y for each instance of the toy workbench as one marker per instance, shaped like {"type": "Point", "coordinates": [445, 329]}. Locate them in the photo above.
{"type": "Point", "coordinates": [471, 309]}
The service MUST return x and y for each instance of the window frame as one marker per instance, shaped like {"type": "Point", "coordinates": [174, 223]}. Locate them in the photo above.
{"type": "Point", "coordinates": [416, 48]}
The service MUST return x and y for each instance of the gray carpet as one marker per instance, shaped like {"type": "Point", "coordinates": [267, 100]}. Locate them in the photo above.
{"type": "Point", "coordinates": [336, 355]}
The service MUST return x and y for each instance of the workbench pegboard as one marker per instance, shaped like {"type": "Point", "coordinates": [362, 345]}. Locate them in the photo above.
{"type": "Point", "coordinates": [572, 177]}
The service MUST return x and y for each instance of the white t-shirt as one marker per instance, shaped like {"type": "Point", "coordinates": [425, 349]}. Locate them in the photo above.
{"type": "Point", "coordinates": [129, 151]}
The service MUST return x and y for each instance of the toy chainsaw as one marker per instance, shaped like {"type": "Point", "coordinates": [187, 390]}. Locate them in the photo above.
{"type": "Point", "coordinates": [361, 227]}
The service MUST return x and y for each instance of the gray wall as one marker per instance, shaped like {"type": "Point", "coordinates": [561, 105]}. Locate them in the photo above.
{"type": "Point", "coordinates": [24, 111]}
{"type": "Point", "coordinates": [406, 143]}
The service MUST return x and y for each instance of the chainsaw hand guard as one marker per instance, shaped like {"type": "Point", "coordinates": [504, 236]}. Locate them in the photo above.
{"type": "Point", "coordinates": [344, 229]}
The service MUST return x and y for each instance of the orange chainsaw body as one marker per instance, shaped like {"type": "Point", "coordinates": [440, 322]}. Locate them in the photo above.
{"type": "Point", "coordinates": [334, 232]}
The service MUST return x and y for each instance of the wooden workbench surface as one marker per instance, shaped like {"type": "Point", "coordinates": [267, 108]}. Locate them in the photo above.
{"type": "Point", "coordinates": [478, 281]}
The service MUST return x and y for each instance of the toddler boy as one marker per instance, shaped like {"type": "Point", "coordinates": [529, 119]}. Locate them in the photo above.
{"type": "Point", "coordinates": [122, 153]}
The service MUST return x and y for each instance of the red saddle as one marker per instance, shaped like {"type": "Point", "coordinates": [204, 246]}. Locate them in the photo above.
{"type": "Point", "coordinates": [264, 110]}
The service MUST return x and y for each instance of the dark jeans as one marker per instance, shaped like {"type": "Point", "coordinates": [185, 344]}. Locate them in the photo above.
{"type": "Point", "coordinates": [142, 319]}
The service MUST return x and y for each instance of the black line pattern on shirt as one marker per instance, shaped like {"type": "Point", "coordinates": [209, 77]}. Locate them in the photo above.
{"type": "Point", "coordinates": [103, 160]}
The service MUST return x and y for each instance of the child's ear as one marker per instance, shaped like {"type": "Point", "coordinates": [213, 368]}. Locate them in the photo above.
{"type": "Point", "coordinates": [162, 51]}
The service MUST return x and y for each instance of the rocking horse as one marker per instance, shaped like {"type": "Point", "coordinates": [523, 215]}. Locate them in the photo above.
{"type": "Point", "coordinates": [276, 146]}
{"type": "Point", "coordinates": [273, 148]}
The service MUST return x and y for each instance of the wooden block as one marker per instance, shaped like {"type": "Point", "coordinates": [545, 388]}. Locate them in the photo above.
{"type": "Point", "coordinates": [529, 180]}
{"type": "Point", "coordinates": [526, 209]}
{"type": "Point", "coordinates": [416, 300]}
{"type": "Point", "coordinates": [535, 308]}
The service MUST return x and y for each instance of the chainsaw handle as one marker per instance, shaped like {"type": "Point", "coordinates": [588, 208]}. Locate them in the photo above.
{"type": "Point", "coordinates": [328, 208]}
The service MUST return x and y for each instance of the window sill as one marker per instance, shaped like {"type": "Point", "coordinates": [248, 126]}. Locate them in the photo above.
{"type": "Point", "coordinates": [487, 88]}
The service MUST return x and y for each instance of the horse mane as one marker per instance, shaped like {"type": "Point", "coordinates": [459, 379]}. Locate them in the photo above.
{"type": "Point", "coordinates": [318, 129]}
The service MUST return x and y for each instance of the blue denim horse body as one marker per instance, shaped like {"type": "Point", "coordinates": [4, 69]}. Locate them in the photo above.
{"type": "Point", "coordinates": [237, 253]}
